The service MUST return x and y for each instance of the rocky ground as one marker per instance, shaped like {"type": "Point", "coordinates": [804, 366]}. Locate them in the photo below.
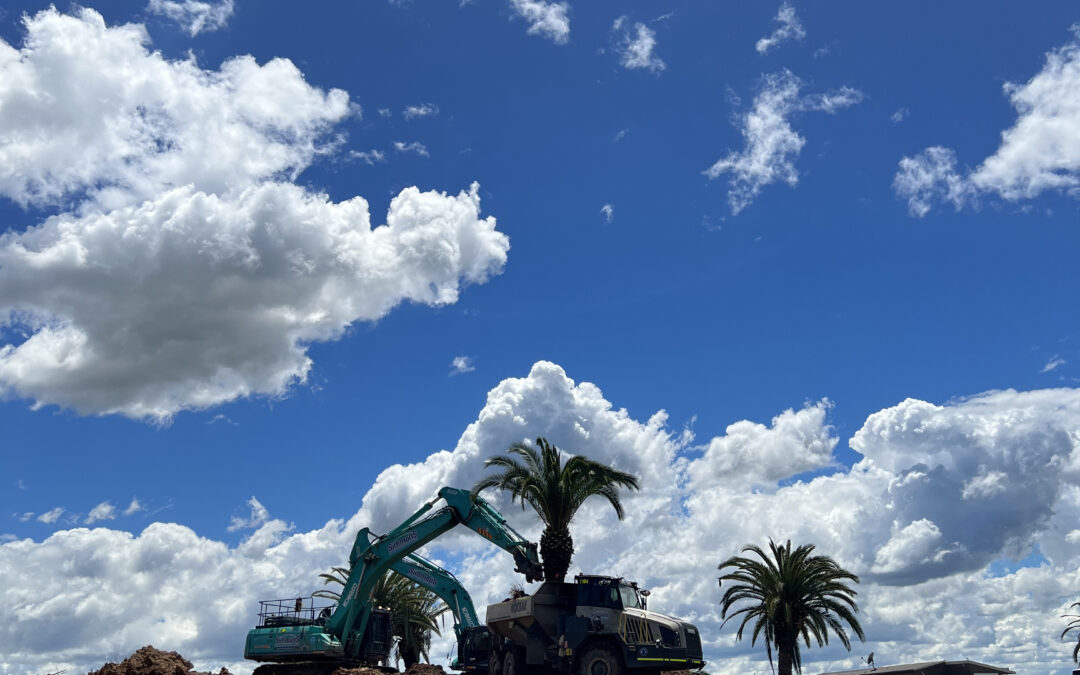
{"type": "Point", "coordinates": [151, 661]}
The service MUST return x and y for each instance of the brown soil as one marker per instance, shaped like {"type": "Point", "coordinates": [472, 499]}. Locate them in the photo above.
{"type": "Point", "coordinates": [358, 671]}
{"type": "Point", "coordinates": [150, 661]}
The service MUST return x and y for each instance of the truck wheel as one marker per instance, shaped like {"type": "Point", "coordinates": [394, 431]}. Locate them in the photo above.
{"type": "Point", "coordinates": [599, 660]}
{"type": "Point", "coordinates": [513, 663]}
{"type": "Point", "coordinates": [494, 663]}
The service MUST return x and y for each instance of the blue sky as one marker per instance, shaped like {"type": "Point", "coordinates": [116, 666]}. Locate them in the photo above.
{"type": "Point", "coordinates": [830, 279]}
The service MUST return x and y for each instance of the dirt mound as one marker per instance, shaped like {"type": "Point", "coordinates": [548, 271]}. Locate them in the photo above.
{"type": "Point", "coordinates": [150, 661]}
{"type": "Point", "coordinates": [358, 671]}
{"type": "Point", "coordinates": [425, 669]}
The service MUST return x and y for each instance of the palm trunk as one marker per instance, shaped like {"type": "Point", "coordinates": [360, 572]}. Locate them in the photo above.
{"type": "Point", "coordinates": [556, 550]}
{"type": "Point", "coordinates": [784, 660]}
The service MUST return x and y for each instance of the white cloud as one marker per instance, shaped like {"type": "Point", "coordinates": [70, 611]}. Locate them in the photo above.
{"type": "Point", "coordinates": [415, 147]}
{"type": "Point", "coordinates": [609, 212]}
{"type": "Point", "coordinates": [134, 507]}
{"type": "Point", "coordinates": [191, 272]}
{"type": "Point", "coordinates": [23, 517]}
{"type": "Point", "coordinates": [548, 19]}
{"type": "Point", "coordinates": [898, 518]}
{"type": "Point", "coordinates": [51, 516]}
{"type": "Point", "coordinates": [772, 145]}
{"type": "Point", "coordinates": [103, 511]}
{"type": "Point", "coordinates": [370, 157]}
{"type": "Point", "coordinates": [143, 124]}
{"type": "Point", "coordinates": [1054, 363]}
{"type": "Point", "coordinates": [636, 46]}
{"type": "Point", "coordinates": [753, 454]}
{"type": "Point", "coordinates": [422, 110]}
{"type": "Point", "coordinates": [900, 115]}
{"type": "Point", "coordinates": [931, 176]}
{"type": "Point", "coordinates": [259, 517]}
{"type": "Point", "coordinates": [620, 134]}
{"type": "Point", "coordinates": [461, 364]}
{"type": "Point", "coordinates": [986, 484]}
{"type": "Point", "coordinates": [1039, 153]}
{"type": "Point", "coordinates": [790, 28]}
{"type": "Point", "coordinates": [194, 16]}
{"type": "Point", "coordinates": [385, 112]}
{"type": "Point", "coordinates": [221, 297]}
{"type": "Point", "coordinates": [914, 544]}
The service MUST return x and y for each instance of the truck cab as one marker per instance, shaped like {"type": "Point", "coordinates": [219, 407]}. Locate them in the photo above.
{"type": "Point", "coordinates": [648, 640]}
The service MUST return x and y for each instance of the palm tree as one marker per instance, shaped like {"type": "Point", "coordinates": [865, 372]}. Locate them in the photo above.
{"type": "Point", "coordinates": [1073, 625]}
{"type": "Point", "coordinates": [555, 491]}
{"type": "Point", "coordinates": [413, 611]}
{"type": "Point", "coordinates": [793, 594]}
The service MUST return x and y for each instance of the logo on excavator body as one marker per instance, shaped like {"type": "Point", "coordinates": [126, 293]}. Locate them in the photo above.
{"type": "Point", "coordinates": [286, 642]}
{"type": "Point", "coordinates": [484, 532]}
{"type": "Point", "coordinates": [406, 538]}
{"type": "Point", "coordinates": [421, 577]}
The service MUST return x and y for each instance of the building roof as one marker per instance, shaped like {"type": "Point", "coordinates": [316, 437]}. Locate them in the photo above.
{"type": "Point", "coordinates": [975, 667]}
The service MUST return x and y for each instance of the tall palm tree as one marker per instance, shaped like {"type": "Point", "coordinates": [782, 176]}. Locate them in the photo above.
{"type": "Point", "coordinates": [413, 611]}
{"type": "Point", "coordinates": [1073, 625]}
{"type": "Point", "coordinates": [791, 594]}
{"type": "Point", "coordinates": [538, 477]}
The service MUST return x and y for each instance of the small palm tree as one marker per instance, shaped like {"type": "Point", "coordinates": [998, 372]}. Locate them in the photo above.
{"type": "Point", "coordinates": [555, 491]}
{"type": "Point", "coordinates": [793, 594]}
{"type": "Point", "coordinates": [1073, 625]}
{"type": "Point", "coordinates": [413, 611]}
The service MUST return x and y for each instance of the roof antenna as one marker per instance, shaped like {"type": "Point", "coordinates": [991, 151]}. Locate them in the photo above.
{"type": "Point", "coordinates": [869, 660]}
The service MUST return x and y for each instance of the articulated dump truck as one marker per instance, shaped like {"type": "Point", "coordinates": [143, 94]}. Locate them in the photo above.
{"type": "Point", "coordinates": [595, 626]}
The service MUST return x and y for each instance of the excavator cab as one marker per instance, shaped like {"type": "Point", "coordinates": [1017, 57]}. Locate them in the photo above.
{"type": "Point", "coordinates": [474, 648]}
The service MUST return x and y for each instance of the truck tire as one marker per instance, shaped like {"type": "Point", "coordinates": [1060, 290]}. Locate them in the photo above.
{"type": "Point", "coordinates": [494, 663]}
{"type": "Point", "coordinates": [513, 662]}
{"type": "Point", "coordinates": [599, 660]}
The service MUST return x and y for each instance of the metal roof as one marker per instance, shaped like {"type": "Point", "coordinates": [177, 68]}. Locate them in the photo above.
{"type": "Point", "coordinates": [916, 667]}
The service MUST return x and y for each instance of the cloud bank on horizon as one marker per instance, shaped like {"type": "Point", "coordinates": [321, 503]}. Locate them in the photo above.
{"type": "Point", "coordinates": [184, 268]}
{"type": "Point", "coordinates": [940, 493]}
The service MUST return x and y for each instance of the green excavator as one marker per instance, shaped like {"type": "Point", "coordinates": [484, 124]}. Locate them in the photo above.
{"type": "Point", "coordinates": [297, 637]}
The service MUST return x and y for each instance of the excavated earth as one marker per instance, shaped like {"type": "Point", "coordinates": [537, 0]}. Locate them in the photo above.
{"type": "Point", "coordinates": [151, 661]}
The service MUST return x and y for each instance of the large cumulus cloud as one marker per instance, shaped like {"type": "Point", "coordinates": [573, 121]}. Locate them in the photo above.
{"type": "Point", "coordinates": [184, 269]}
{"type": "Point", "coordinates": [912, 518]}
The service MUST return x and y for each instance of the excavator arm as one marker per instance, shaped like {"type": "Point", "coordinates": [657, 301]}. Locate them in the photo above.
{"type": "Point", "coordinates": [443, 584]}
{"type": "Point", "coordinates": [373, 556]}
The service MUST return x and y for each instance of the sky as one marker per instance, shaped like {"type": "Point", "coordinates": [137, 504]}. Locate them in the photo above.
{"type": "Point", "coordinates": [271, 273]}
